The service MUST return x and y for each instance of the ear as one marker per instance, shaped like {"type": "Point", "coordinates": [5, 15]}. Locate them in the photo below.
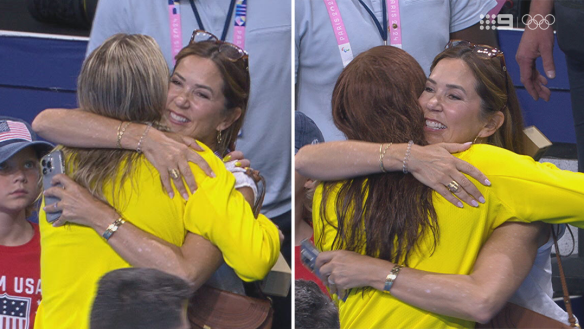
{"type": "Point", "coordinates": [493, 124]}
{"type": "Point", "coordinates": [310, 184]}
{"type": "Point", "coordinates": [229, 119]}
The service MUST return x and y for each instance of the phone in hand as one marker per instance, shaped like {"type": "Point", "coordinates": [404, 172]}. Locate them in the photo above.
{"type": "Point", "coordinates": [52, 164]}
{"type": "Point", "coordinates": [308, 254]}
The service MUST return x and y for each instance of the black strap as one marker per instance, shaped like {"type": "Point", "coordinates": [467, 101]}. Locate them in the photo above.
{"type": "Point", "coordinates": [382, 30]}
{"type": "Point", "coordinates": [227, 19]}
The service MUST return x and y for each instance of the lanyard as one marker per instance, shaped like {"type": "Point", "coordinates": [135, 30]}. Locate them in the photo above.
{"type": "Point", "coordinates": [240, 7]}
{"type": "Point", "coordinates": [175, 27]}
{"type": "Point", "coordinates": [343, 43]}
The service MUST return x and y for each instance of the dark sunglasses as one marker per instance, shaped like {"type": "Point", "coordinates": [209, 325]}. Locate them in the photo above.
{"type": "Point", "coordinates": [484, 51]}
{"type": "Point", "coordinates": [229, 50]}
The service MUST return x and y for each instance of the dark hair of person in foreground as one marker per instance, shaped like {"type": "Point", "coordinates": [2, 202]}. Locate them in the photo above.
{"type": "Point", "coordinates": [144, 298]}
{"type": "Point", "coordinates": [314, 309]}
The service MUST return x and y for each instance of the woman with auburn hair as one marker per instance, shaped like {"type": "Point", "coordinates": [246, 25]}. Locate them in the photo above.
{"type": "Point", "coordinates": [370, 231]}
{"type": "Point", "coordinates": [125, 80]}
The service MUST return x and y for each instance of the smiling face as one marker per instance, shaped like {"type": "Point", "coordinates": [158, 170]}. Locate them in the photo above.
{"type": "Point", "coordinates": [196, 104]}
{"type": "Point", "coordinates": [19, 181]}
{"type": "Point", "coordinates": [451, 104]}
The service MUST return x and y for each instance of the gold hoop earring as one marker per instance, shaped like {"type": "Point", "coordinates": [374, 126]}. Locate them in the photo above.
{"type": "Point", "coordinates": [475, 140]}
{"type": "Point", "coordinates": [219, 138]}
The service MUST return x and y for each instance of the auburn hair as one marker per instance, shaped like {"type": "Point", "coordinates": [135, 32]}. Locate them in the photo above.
{"type": "Point", "coordinates": [375, 99]}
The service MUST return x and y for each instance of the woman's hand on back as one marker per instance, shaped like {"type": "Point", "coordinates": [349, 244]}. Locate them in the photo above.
{"type": "Point", "coordinates": [170, 151]}
{"type": "Point", "coordinates": [435, 166]}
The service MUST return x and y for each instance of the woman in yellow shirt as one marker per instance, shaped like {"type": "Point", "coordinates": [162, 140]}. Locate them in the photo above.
{"type": "Point", "coordinates": [372, 102]}
{"type": "Point", "coordinates": [127, 79]}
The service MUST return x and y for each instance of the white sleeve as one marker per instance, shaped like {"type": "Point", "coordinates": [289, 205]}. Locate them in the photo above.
{"type": "Point", "coordinates": [242, 179]}
{"type": "Point", "coordinates": [466, 13]}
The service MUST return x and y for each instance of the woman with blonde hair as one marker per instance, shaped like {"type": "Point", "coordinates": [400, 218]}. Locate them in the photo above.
{"type": "Point", "coordinates": [126, 79]}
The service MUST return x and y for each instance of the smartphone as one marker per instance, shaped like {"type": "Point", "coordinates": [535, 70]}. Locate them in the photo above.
{"type": "Point", "coordinates": [308, 254]}
{"type": "Point", "coordinates": [52, 164]}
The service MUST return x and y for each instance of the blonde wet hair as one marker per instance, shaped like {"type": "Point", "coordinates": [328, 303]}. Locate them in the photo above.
{"type": "Point", "coordinates": [126, 78]}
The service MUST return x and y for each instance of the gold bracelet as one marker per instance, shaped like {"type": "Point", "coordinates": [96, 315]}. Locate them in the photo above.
{"type": "Point", "coordinates": [390, 279]}
{"type": "Point", "coordinates": [112, 228]}
{"type": "Point", "coordinates": [381, 155]}
{"type": "Point", "coordinates": [121, 133]}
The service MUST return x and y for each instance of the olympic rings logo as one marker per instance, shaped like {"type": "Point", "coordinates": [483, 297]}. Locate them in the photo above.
{"type": "Point", "coordinates": [539, 20]}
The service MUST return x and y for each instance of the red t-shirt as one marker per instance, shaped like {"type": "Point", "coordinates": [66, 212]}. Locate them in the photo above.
{"type": "Point", "coordinates": [302, 272]}
{"type": "Point", "coordinates": [20, 283]}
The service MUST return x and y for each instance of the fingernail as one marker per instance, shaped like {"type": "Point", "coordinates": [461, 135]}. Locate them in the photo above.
{"type": "Point", "coordinates": [213, 175]}
{"type": "Point", "coordinates": [459, 204]}
{"type": "Point", "coordinates": [237, 164]}
{"type": "Point", "coordinates": [482, 200]}
{"type": "Point", "coordinates": [227, 158]}
{"type": "Point", "coordinates": [474, 203]}
{"type": "Point", "coordinates": [487, 182]}
{"type": "Point", "coordinates": [551, 74]}
{"type": "Point", "coordinates": [467, 143]}
{"type": "Point", "coordinates": [171, 195]}
{"type": "Point", "coordinates": [534, 98]}
{"type": "Point", "coordinates": [185, 196]}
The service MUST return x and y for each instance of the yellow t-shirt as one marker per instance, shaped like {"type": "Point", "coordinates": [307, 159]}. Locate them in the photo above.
{"type": "Point", "coordinates": [74, 257]}
{"type": "Point", "coordinates": [522, 190]}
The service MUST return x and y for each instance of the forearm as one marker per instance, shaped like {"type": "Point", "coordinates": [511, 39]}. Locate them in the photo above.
{"type": "Point", "coordinates": [78, 128]}
{"type": "Point", "coordinates": [195, 261]}
{"type": "Point", "coordinates": [502, 265]}
{"type": "Point", "coordinates": [542, 7]}
{"type": "Point", "coordinates": [347, 159]}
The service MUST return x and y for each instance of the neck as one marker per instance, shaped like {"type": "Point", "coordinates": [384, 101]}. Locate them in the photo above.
{"type": "Point", "coordinates": [14, 229]}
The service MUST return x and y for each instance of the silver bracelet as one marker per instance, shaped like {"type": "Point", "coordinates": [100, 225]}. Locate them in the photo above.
{"type": "Point", "coordinates": [112, 228]}
{"type": "Point", "coordinates": [139, 147]}
{"type": "Point", "coordinates": [407, 157]}
{"type": "Point", "coordinates": [390, 279]}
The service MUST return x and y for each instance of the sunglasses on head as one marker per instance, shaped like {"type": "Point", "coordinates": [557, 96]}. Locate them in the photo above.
{"type": "Point", "coordinates": [484, 51]}
{"type": "Point", "coordinates": [229, 50]}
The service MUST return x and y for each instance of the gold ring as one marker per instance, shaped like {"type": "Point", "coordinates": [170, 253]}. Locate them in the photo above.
{"type": "Point", "coordinates": [174, 173]}
{"type": "Point", "coordinates": [453, 186]}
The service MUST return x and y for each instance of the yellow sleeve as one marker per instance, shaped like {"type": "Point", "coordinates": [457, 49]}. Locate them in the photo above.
{"type": "Point", "coordinates": [220, 214]}
{"type": "Point", "coordinates": [528, 190]}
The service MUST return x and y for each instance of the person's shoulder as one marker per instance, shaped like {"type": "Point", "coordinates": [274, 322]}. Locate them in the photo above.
{"type": "Point", "coordinates": [496, 160]}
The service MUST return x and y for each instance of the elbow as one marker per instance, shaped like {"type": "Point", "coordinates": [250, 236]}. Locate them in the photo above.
{"type": "Point", "coordinates": [483, 307]}
{"type": "Point", "coordinates": [39, 124]}
{"type": "Point", "coordinates": [300, 162]}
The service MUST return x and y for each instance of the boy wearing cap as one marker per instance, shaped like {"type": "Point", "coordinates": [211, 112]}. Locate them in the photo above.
{"type": "Point", "coordinates": [20, 289]}
{"type": "Point", "coordinates": [306, 132]}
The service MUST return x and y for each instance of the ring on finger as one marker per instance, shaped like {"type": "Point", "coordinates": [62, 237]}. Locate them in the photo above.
{"type": "Point", "coordinates": [174, 173]}
{"type": "Point", "coordinates": [453, 186]}
{"type": "Point", "coordinates": [55, 205]}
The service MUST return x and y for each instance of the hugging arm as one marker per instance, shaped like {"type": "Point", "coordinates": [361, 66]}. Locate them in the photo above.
{"type": "Point", "coordinates": [195, 261]}
{"type": "Point", "coordinates": [78, 128]}
{"type": "Point", "coordinates": [502, 264]}
{"type": "Point", "coordinates": [432, 165]}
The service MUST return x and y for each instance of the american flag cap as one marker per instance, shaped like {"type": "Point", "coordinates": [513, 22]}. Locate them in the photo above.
{"type": "Point", "coordinates": [15, 135]}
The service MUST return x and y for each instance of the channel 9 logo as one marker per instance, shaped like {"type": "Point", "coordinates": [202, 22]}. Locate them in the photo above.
{"type": "Point", "coordinates": [505, 21]}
